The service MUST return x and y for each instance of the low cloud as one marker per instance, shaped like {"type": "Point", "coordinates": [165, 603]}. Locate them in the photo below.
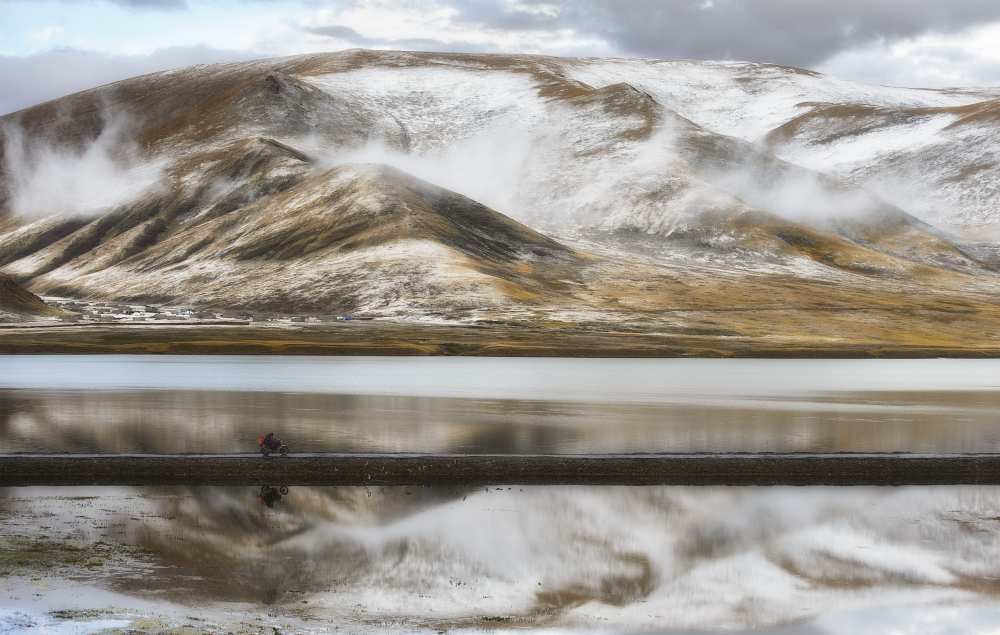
{"type": "Point", "coordinates": [487, 167]}
{"type": "Point", "coordinates": [538, 178]}
{"type": "Point", "coordinates": [45, 178]}
{"type": "Point", "coordinates": [797, 195]}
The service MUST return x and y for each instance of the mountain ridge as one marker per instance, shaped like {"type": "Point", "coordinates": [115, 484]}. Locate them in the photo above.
{"type": "Point", "coordinates": [426, 186]}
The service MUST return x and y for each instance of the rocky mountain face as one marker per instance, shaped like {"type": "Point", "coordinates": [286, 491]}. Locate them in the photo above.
{"type": "Point", "coordinates": [472, 187]}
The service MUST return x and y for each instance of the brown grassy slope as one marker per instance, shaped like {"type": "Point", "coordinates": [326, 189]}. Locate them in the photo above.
{"type": "Point", "coordinates": [320, 238]}
{"type": "Point", "coordinates": [16, 300]}
{"type": "Point", "coordinates": [354, 206]}
{"type": "Point", "coordinates": [181, 111]}
{"type": "Point", "coordinates": [347, 208]}
{"type": "Point", "coordinates": [185, 109]}
{"type": "Point", "coordinates": [565, 340]}
{"type": "Point", "coordinates": [24, 238]}
{"type": "Point", "coordinates": [251, 169]}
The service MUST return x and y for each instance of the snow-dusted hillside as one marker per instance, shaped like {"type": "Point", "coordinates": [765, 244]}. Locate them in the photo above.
{"type": "Point", "coordinates": [748, 100]}
{"type": "Point", "coordinates": [256, 184]}
{"type": "Point", "coordinates": [578, 144]}
{"type": "Point", "coordinates": [932, 152]}
{"type": "Point", "coordinates": [938, 163]}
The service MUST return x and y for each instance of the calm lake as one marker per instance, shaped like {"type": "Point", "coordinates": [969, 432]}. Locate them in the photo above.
{"type": "Point", "coordinates": [220, 404]}
{"type": "Point", "coordinates": [472, 560]}
{"type": "Point", "coordinates": [483, 561]}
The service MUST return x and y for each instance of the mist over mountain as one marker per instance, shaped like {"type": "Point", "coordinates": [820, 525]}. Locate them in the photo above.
{"type": "Point", "coordinates": [484, 187]}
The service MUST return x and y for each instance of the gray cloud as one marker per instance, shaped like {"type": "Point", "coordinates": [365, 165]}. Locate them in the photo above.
{"type": "Point", "coordinates": [347, 34]}
{"type": "Point", "coordinates": [36, 78]}
{"type": "Point", "coordinates": [800, 33]}
{"type": "Point", "coordinates": [934, 65]}
{"type": "Point", "coordinates": [794, 32]}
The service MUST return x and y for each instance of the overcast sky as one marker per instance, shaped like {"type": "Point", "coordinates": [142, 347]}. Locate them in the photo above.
{"type": "Point", "coordinates": [50, 48]}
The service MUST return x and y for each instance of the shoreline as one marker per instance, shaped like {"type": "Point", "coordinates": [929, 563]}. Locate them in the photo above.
{"type": "Point", "coordinates": [400, 338]}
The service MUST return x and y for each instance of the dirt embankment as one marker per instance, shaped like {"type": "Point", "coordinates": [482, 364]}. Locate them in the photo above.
{"type": "Point", "coordinates": [759, 469]}
{"type": "Point", "coordinates": [501, 340]}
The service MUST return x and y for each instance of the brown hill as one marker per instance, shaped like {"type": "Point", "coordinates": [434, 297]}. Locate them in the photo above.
{"type": "Point", "coordinates": [651, 208]}
{"type": "Point", "coordinates": [17, 302]}
{"type": "Point", "coordinates": [353, 237]}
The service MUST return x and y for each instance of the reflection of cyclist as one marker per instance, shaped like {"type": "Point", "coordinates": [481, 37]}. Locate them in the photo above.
{"type": "Point", "coordinates": [269, 495]}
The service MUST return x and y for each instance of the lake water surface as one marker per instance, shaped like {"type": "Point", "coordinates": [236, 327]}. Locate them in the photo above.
{"type": "Point", "coordinates": [220, 404]}
{"type": "Point", "coordinates": [546, 560]}
{"type": "Point", "coordinates": [552, 560]}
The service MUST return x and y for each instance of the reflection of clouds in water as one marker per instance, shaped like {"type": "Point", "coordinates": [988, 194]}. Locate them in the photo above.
{"type": "Point", "coordinates": [907, 620]}
{"type": "Point", "coordinates": [636, 557]}
{"type": "Point", "coordinates": [902, 619]}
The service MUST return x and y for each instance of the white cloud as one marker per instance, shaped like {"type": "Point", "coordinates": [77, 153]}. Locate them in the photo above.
{"type": "Point", "coordinates": [46, 34]}
{"type": "Point", "coordinates": [388, 24]}
{"type": "Point", "coordinates": [47, 179]}
{"type": "Point", "coordinates": [969, 58]}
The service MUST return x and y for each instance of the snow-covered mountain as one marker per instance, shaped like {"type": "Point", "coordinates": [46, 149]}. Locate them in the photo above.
{"type": "Point", "coordinates": [465, 186]}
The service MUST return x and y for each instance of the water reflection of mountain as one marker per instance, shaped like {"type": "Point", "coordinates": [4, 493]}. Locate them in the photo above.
{"type": "Point", "coordinates": [451, 557]}
{"type": "Point", "coordinates": [545, 555]}
{"type": "Point", "coordinates": [220, 422]}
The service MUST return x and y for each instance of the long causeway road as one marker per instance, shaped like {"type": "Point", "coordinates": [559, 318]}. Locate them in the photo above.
{"type": "Point", "coordinates": [501, 469]}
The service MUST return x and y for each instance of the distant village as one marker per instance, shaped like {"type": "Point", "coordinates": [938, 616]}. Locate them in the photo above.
{"type": "Point", "coordinates": [112, 312]}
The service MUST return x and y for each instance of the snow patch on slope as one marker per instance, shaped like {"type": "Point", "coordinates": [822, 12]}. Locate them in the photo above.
{"type": "Point", "coordinates": [746, 100]}
{"type": "Point", "coordinates": [468, 130]}
{"type": "Point", "coordinates": [854, 150]}
{"type": "Point", "coordinates": [946, 176]}
{"type": "Point", "coordinates": [439, 106]}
